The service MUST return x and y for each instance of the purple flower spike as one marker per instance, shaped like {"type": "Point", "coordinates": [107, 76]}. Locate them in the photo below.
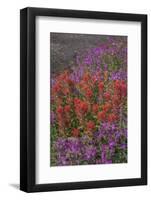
{"type": "Point", "coordinates": [90, 153]}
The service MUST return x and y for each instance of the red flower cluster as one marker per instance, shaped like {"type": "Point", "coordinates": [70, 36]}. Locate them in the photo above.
{"type": "Point", "coordinates": [95, 108]}
{"type": "Point", "coordinates": [81, 107]}
{"type": "Point", "coordinates": [100, 86]}
{"type": "Point", "coordinates": [67, 108]}
{"type": "Point", "coordinates": [99, 101]}
{"type": "Point", "coordinates": [101, 116]}
{"type": "Point", "coordinates": [107, 96]}
{"type": "Point", "coordinates": [120, 88]}
{"type": "Point", "coordinates": [90, 125]}
{"type": "Point", "coordinates": [89, 93]}
{"type": "Point", "coordinates": [75, 132]}
{"type": "Point", "coordinates": [59, 110]}
{"type": "Point", "coordinates": [89, 106]}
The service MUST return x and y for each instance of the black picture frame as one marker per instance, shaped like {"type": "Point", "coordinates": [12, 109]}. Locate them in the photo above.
{"type": "Point", "coordinates": [28, 98]}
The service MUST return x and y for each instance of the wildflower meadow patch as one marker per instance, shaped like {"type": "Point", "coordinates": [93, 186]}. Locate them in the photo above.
{"type": "Point", "coordinates": [88, 92]}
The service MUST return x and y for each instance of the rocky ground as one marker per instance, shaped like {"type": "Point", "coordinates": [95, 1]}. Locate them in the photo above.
{"type": "Point", "coordinates": [65, 46]}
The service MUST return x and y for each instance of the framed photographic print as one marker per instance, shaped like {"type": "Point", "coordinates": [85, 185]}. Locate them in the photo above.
{"type": "Point", "coordinates": [83, 95]}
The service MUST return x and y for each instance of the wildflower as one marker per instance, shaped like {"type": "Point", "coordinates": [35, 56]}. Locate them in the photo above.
{"type": "Point", "coordinates": [84, 107]}
{"type": "Point", "coordinates": [107, 96]}
{"type": "Point", "coordinates": [106, 107]}
{"type": "Point", "coordinates": [67, 108]}
{"type": "Point", "coordinates": [117, 84]}
{"type": "Point", "coordinates": [105, 75]}
{"type": "Point", "coordinates": [112, 117]}
{"type": "Point", "coordinates": [75, 132]}
{"type": "Point", "coordinates": [95, 108]}
{"type": "Point", "coordinates": [90, 153]}
{"type": "Point", "coordinates": [90, 125]}
{"type": "Point", "coordinates": [86, 77]}
{"type": "Point", "coordinates": [94, 79]}
{"type": "Point", "coordinates": [123, 89]}
{"type": "Point", "coordinates": [89, 93]}
{"type": "Point", "coordinates": [77, 101]}
{"type": "Point", "coordinates": [69, 82]}
{"type": "Point", "coordinates": [65, 90]}
{"type": "Point", "coordinates": [59, 110]}
{"type": "Point", "coordinates": [56, 87]}
{"type": "Point", "coordinates": [115, 99]}
{"type": "Point", "coordinates": [100, 86]}
{"type": "Point", "coordinates": [101, 115]}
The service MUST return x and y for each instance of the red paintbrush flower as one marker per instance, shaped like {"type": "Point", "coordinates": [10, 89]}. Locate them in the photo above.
{"type": "Point", "coordinates": [80, 106]}
{"type": "Point", "coordinates": [67, 108]}
{"type": "Point", "coordinates": [101, 115]}
{"type": "Point", "coordinates": [75, 132]}
{"type": "Point", "coordinates": [83, 107]}
{"type": "Point", "coordinates": [89, 93]}
{"type": "Point", "coordinates": [100, 86]}
{"type": "Point", "coordinates": [107, 96]}
{"type": "Point", "coordinates": [120, 88]}
{"type": "Point", "coordinates": [106, 107]}
{"type": "Point", "coordinates": [69, 100]}
{"type": "Point", "coordinates": [95, 108]}
{"type": "Point", "coordinates": [115, 99]}
{"type": "Point", "coordinates": [66, 90]}
{"type": "Point", "coordinates": [76, 101]}
{"type": "Point", "coordinates": [90, 125]}
{"type": "Point", "coordinates": [56, 87]}
{"type": "Point", "coordinates": [123, 89]}
{"type": "Point", "coordinates": [117, 84]}
{"type": "Point", "coordinates": [112, 117]}
{"type": "Point", "coordinates": [70, 82]}
{"type": "Point", "coordinates": [59, 110]}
